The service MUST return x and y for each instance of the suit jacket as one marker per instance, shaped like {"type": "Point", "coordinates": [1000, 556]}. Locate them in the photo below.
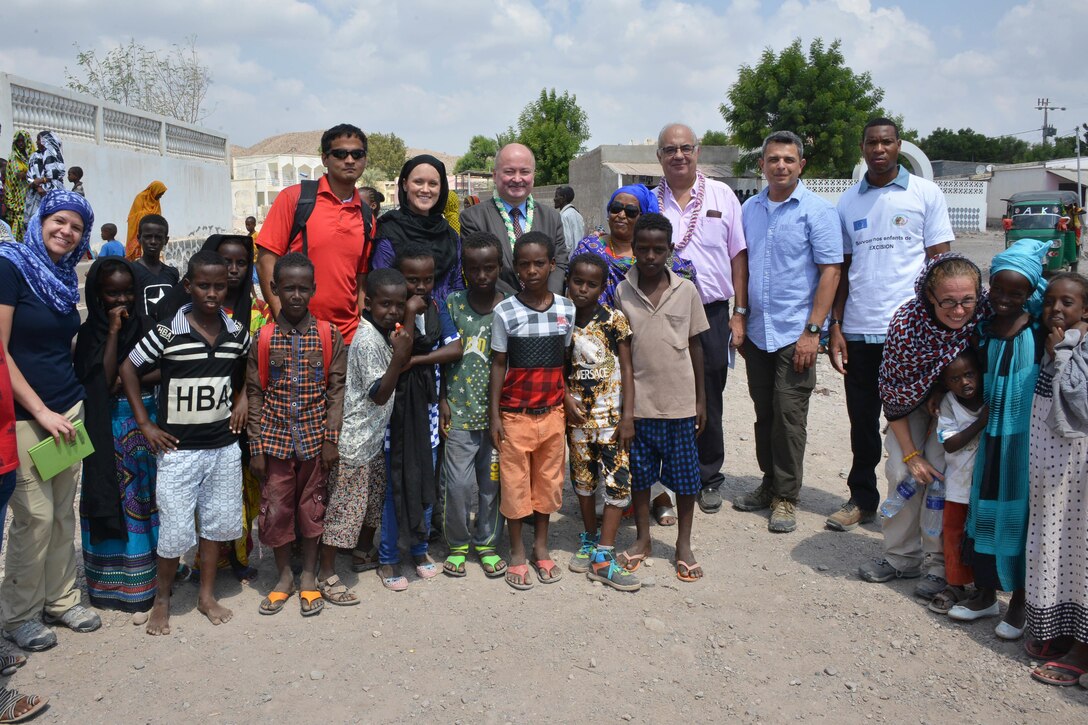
{"type": "Point", "coordinates": [484, 217]}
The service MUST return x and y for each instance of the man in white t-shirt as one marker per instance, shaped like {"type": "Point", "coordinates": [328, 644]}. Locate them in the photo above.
{"type": "Point", "coordinates": [891, 222]}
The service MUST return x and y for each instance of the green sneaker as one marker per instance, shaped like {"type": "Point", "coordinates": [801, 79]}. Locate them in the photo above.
{"type": "Point", "coordinates": [604, 569]}
{"type": "Point", "coordinates": [579, 563]}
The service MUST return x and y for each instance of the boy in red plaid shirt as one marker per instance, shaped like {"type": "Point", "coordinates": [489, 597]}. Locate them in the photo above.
{"type": "Point", "coordinates": [530, 335]}
{"type": "Point", "coordinates": [296, 403]}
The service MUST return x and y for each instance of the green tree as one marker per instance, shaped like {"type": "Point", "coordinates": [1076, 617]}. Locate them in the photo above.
{"type": "Point", "coordinates": [969, 145]}
{"type": "Point", "coordinates": [556, 129]}
{"type": "Point", "coordinates": [480, 155]}
{"type": "Point", "coordinates": [714, 138]}
{"type": "Point", "coordinates": [386, 153]}
{"type": "Point", "coordinates": [171, 83]}
{"type": "Point", "coordinates": [817, 96]}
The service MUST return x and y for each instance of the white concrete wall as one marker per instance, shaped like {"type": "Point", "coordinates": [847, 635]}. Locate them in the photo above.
{"type": "Point", "coordinates": [122, 150]}
{"type": "Point", "coordinates": [966, 199]}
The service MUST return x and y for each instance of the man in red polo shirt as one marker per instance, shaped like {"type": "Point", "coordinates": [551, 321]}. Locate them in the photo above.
{"type": "Point", "coordinates": [336, 239]}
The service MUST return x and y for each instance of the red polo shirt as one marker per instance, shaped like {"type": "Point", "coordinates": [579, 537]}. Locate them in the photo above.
{"type": "Point", "coordinates": [9, 448]}
{"type": "Point", "coordinates": [337, 247]}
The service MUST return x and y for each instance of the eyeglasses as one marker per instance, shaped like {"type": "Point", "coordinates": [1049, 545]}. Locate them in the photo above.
{"type": "Point", "coordinates": [687, 150]}
{"type": "Point", "coordinates": [630, 210]}
{"type": "Point", "coordinates": [342, 154]}
{"type": "Point", "coordinates": [966, 303]}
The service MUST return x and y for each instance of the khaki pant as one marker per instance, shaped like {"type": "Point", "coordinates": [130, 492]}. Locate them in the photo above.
{"type": "Point", "coordinates": [41, 564]}
{"type": "Point", "coordinates": [906, 545]}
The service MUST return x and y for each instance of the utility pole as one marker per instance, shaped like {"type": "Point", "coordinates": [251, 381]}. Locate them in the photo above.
{"type": "Point", "coordinates": [1043, 104]}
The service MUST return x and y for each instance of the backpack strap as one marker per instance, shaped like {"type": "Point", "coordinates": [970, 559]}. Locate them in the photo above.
{"type": "Point", "coordinates": [264, 347]}
{"type": "Point", "coordinates": [307, 198]}
{"type": "Point", "coordinates": [324, 331]}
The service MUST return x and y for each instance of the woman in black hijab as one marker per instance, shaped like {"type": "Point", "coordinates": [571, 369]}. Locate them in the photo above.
{"type": "Point", "coordinates": [120, 523]}
{"type": "Point", "coordinates": [422, 191]}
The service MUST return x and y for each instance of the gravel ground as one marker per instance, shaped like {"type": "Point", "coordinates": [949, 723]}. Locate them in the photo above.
{"type": "Point", "coordinates": [780, 629]}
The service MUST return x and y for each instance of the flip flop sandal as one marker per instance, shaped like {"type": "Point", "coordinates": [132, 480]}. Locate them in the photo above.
{"type": "Point", "coordinates": [685, 575]}
{"type": "Point", "coordinates": [661, 512]}
{"type": "Point", "coordinates": [1045, 649]}
{"type": "Point", "coordinates": [10, 663]}
{"type": "Point", "coordinates": [334, 591]}
{"type": "Point", "coordinates": [549, 567]}
{"type": "Point", "coordinates": [455, 562]}
{"type": "Point", "coordinates": [364, 561]}
{"type": "Point", "coordinates": [9, 699]}
{"type": "Point", "coordinates": [488, 558]}
{"type": "Point", "coordinates": [522, 572]}
{"type": "Point", "coordinates": [629, 559]}
{"type": "Point", "coordinates": [274, 602]}
{"type": "Point", "coordinates": [311, 602]}
{"type": "Point", "coordinates": [1077, 673]}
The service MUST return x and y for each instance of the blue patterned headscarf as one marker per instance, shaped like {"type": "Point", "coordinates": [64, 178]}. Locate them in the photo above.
{"type": "Point", "coordinates": [647, 200]}
{"type": "Point", "coordinates": [54, 283]}
{"type": "Point", "coordinates": [1025, 257]}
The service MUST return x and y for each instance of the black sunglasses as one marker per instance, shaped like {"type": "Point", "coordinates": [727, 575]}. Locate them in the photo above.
{"type": "Point", "coordinates": [630, 210]}
{"type": "Point", "coordinates": [344, 153]}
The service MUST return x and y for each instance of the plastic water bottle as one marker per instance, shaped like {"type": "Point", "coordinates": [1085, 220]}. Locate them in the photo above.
{"type": "Point", "coordinates": [902, 493]}
{"type": "Point", "coordinates": [933, 515]}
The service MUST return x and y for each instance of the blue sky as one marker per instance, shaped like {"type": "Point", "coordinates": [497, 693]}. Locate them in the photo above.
{"type": "Point", "coordinates": [437, 72]}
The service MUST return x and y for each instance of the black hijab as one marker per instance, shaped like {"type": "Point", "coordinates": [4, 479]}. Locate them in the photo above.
{"type": "Point", "coordinates": [101, 499]}
{"type": "Point", "coordinates": [239, 303]}
{"type": "Point", "coordinates": [432, 231]}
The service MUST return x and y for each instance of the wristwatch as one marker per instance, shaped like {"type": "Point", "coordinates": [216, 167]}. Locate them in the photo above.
{"type": "Point", "coordinates": [814, 329]}
{"type": "Point", "coordinates": [742, 311]}
{"type": "Point", "coordinates": [834, 321]}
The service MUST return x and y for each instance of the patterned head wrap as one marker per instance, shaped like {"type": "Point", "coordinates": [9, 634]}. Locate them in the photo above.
{"type": "Point", "coordinates": [918, 347]}
{"type": "Point", "coordinates": [54, 283]}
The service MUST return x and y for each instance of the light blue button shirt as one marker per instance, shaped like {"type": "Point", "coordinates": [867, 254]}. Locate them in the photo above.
{"type": "Point", "coordinates": [902, 179]}
{"type": "Point", "coordinates": [521, 208]}
{"type": "Point", "coordinates": [784, 248]}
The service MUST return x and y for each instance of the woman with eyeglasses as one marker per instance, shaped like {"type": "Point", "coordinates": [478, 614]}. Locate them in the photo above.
{"type": "Point", "coordinates": [622, 211]}
{"type": "Point", "coordinates": [925, 335]}
{"type": "Point", "coordinates": [423, 192]}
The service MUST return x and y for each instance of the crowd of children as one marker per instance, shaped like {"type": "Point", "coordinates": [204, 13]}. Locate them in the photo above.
{"type": "Point", "coordinates": [1005, 428]}
{"type": "Point", "coordinates": [457, 414]}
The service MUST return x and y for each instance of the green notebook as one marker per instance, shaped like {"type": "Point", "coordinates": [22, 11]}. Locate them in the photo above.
{"type": "Point", "coordinates": [51, 459]}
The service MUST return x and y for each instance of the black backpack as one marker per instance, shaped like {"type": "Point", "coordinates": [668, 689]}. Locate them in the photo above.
{"type": "Point", "coordinates": [306, 201]}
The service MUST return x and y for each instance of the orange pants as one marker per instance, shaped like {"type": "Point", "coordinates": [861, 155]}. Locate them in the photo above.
{"type": "Point", "coordinates": [956, 573]}
{"type": "Point", "coordinates": [531, 463]}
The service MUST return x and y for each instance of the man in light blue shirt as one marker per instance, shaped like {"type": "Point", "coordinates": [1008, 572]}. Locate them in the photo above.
{"type": "Point", "coordinates": [794, 262]}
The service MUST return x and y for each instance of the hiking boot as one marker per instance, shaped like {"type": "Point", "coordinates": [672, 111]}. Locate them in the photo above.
{"type": "Point", "coordinates": [78, 619]}
{"type": "Point", "coordinates": [710, 500]}
{"type": "Point", "coordinates": [783, 516]}
{"type": "Point", "coordinates": [756, 500]}
{"type": "Point", "coordinates": [849, 517]}
{"type": "Point", "coordinates": [579, 563]}
{"type": "Point", "coordinates": [32, 636]}
{"type": "Point", "coordinates": [930, 586]}
{"type": "Point", "coordinates": [605, 570]}
{"type": "Point", "coordinates": [880, 571]}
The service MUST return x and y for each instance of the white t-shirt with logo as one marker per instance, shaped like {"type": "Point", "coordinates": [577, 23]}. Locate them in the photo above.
{"type": "Point", "coordinates": [886, 231]}
{"type": "Point", "coordinates": [959, 466]}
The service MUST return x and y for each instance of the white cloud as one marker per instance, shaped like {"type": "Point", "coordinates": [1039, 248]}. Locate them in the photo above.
{"type": "Point", "coordinates": [437, 72]}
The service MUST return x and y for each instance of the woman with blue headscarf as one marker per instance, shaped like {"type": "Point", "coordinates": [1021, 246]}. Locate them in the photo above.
{"type": "Point", "coordinates": [1010, 349]}
{"type": "Point", "coordinates": [622, 211]}
{"type": "Point", "coordinates": [39, 291]}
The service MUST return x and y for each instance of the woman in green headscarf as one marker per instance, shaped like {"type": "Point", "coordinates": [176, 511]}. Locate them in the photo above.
{"type": "Point", "coordinates": [15, 183]}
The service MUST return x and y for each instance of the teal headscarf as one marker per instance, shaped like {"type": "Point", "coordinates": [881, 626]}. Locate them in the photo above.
{"type": "Point", "coordinates": [1025, 257]}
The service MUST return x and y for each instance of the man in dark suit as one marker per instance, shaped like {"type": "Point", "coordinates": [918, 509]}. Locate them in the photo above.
{"type": "Point", "coordinates": [512, 211]}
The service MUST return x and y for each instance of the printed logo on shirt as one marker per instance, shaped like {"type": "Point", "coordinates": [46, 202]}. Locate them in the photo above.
{"type": "Point", "coordinates": [195, 401]}
{"type": "Point", "coordinates": [900, 220]}
{"type": "Point", "coordinates": [153, 294]}
{"type": "Point", "coordinates": [164, 332]}
{"type": "Point", "coordinates": [860, 224]}
{"type": "Point", "coordinates": [478, 346]}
